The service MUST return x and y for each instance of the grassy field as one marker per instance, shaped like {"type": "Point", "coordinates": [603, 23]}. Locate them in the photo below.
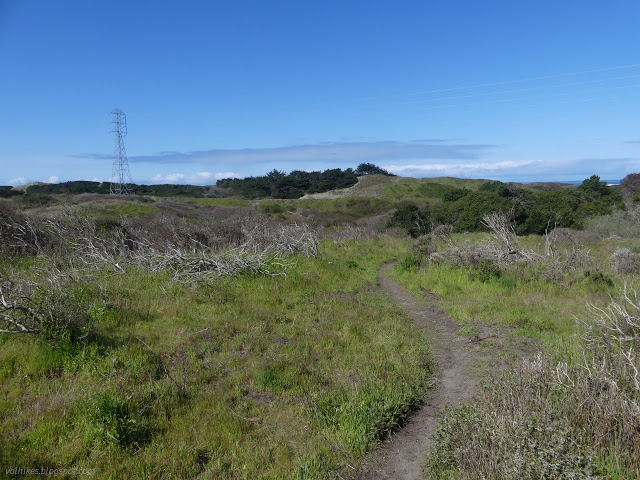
{"type": "Point", "coordinates": [524, 297]}
{"type": "Point", "coordinates": [196, 338]}
{"type": "Point", "coordinates": [257, 376]}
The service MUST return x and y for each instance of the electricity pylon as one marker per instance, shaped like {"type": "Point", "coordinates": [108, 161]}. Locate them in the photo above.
{"type": "Point", "coordinates": [120, 176]}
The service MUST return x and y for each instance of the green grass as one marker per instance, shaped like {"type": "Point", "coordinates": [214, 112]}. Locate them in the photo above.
{"type": "Point", "coordinates": [419, 189]}
{"type": "Point", "coordinates": [292, 376]}
{"type": "Point", "coordinates": [215, 202]}
{"type": "Point", "coordinates": [355, 207]}
{"type": "Point", "coordinates": [252, 377]}
{"type": "Point", "coordinates": [519, 298]}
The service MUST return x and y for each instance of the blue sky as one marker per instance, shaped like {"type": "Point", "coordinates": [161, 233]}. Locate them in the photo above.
{"type": "Point", "coordinates": [508, 90]}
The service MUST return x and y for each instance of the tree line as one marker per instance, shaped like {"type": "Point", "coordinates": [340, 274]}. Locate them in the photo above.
{"type": "Point", "coordinates": [275, 184]}
{"type": "Point", "coordinates": [82, 186]}
{"type": "Point", "coordinates": [278, 184]}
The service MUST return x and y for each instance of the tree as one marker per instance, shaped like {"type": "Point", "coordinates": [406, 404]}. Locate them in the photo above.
{"type": "Point", "coordinates": [594, 185]}
{"type": "Point", "coordinates": [412, 219]}
{"type": "Point", "coordinates": [371, 169]}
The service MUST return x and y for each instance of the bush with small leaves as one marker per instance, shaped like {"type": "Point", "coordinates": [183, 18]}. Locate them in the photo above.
{"type": "Point", "coordinates": [512, 431]}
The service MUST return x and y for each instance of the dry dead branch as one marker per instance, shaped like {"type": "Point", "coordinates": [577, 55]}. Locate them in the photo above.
{"type": "Point", "coordinates": [613, 340]}
{"type": "Point", "coordinates": [16, 312]}
{"type": "Point", "coordinates": [19, 232]}
{"type": "Point", "coordinates": [502, 228]}
{"type": "Point", "coordinates": [624, 260]}
{"type": "Point", "coordinates": [550, 236]}
{"type": "Point", "coordinates": [442, 233]}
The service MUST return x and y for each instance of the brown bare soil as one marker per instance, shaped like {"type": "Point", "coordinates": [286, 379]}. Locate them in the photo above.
{"type": "Point", "coordinates": [462, 362]}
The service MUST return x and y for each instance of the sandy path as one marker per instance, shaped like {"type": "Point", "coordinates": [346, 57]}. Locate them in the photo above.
{"type": "Point", "coordinates": [402, 455]}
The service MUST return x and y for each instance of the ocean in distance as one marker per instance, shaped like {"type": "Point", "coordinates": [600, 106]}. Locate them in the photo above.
{"type": "Point", "coordinates": [576, 182]}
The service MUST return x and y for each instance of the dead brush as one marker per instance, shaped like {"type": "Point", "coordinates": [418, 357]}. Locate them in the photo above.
{"type": "Point", "coordinates": [189, 252]}
{"type": "Point", "coordinates": [504, 249]}
{"type": "Point", "coordinates": [514, 429]}
{"type": "Point", "coordinates": [188, 266]}
{"type": "Point", "coordinates": [169, 231]}
{"type": "Point", "coordinates": [345, 233]}
{"type": "Point", "coordinates": [468, 254]}
{"type": "Point", "coordinates": [552, 421]}
{"type": "Point", "coordinates": [54, 314]}
{"type": "Point", "coordinates": [263, 235]}
{"type": "Point", "coordinates": [20, 233]}
{"type": "Point", "coordinates": [605, 390]}
{"type": "Point", "coordinates": [624, 260]}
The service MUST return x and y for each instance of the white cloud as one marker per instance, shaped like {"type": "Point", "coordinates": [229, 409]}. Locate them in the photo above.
{"type": "Point", "coordinates": [521, 170]}
{"type": "Point", "coordinates": [174, 177]}
{"type": "Point", "coordinates": [53, 179]}
{"type": "Point", "coordinates": [198, 178]}
{"type": "Point", "coordinates": [221, 175]}
{"type": "Point", "coordinates": [17, 181]}
{"type": "Point", "coordinates": [341, 152]}
{"type": "Point", "coordinates": [157, 178]}
{"type": "Point", "coordinates": [458, 169]}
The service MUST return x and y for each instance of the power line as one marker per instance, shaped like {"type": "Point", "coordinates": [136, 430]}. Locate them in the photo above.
{"type": "Point", "coordinates": [507, 82]}
{"type": "Point", "coordinates": [482, 85]}
{"type": "Point", "coordinates": [517, 90]}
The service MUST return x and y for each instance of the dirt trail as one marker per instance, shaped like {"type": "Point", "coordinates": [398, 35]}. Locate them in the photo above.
{"type": "Point", "coordinates": [402, 455]}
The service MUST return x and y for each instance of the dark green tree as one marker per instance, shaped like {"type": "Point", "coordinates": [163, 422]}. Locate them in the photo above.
{"type": "Point", "coordinates": [371, 169]}
{"type": "Point", "coordinates": [410, 218]}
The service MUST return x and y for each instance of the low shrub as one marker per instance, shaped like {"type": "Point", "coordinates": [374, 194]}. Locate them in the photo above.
{"type": "Point", "coordinates": [20, 234]}
{"type": "Point", "coordinates": [561, 421]}
{"type": "Point", "coordinates": [512, 431]}
{"type": "Point", "coordinates": [410, 218]}
{"type": "Point", "coordinates": [621, 223]}
{"type": "Point", "coordinates": [624, 260]}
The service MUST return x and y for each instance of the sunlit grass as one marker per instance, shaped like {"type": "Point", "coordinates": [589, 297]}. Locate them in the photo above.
{"type": "Point", "coordinates": [519, 298]}
{"type": "Point", "coordinates": [253, 377]}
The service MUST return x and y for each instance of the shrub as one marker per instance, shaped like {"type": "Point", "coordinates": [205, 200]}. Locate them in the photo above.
{"type": "Point", "coordinates": [7, 191]}
{"type": "Point", "coordinates": [33, 200]}
{"type": "Point", "coordinates": [411, 261]}
{"type": "Point", "coordinates": [512, 431]}
{"type": "Point", "coordinates": [273, 208]}
{"type": "Point", "coordinates": [467, 255]}
{"type": "Point", "coordinates": [371, 169]}
{"type": "Point", "coordinates": [18, 232]}
{"type": "Point", "coordinates": [412, 219]}
{"type": "Point", "coordinates": [561, 421]}
{"type": "Point", "coordinates": [621, 223]}
{"type": "Point", "coordinates": [624, 260]}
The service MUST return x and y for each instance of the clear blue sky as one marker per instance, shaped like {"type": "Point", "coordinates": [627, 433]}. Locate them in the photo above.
{"type": "Point", "coordinates": [510, 90]}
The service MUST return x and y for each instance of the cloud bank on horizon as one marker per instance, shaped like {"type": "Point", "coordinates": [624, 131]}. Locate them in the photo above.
{"type": "Point", "coordinates": [419, 158]}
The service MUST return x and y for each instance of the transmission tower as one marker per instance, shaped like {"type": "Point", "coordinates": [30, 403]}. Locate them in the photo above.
{"type": "Point", "coordinates": [120, 176]}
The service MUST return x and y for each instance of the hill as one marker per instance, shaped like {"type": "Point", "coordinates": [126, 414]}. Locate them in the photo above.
{"type": "Point", "coordinates": [24, 187]}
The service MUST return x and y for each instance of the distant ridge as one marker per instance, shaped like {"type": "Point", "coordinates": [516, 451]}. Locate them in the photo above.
{"type": "Point", "coordinates": [23, 188]}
